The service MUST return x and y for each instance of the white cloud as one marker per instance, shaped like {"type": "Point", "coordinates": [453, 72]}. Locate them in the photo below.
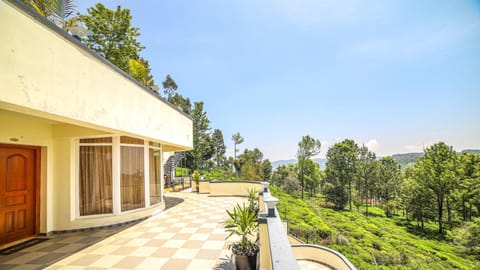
{"type": "Point", "coordinates": [373, 145]}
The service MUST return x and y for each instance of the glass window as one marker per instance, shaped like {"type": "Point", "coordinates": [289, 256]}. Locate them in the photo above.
{"type": "Point", "coordinates": [95, 180]}
{"type": "Point", "coordinates": [154, 172]}
{"type": "Point", "coordinates": [130, 140]}
{"type": "Point", "coordinates": [132, 182]}
{"type": "Point", "coordinates": [97, 140]}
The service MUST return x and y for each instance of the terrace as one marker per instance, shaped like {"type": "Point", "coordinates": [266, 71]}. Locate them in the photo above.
{"type": "Point", "coordinates": [189, 235]}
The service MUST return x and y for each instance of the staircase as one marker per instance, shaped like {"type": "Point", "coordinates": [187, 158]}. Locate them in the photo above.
{"type": "Point", "coordinates": [169, 166]}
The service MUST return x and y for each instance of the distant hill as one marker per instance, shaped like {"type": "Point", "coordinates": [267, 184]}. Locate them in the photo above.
{"type": "Point", "coordinates": [402, 159]}
{"type": "Point", "coordinates": [476, 151]}
{"type": "Point", "coordinates": [405, 159]}
{"type": "Point", "coordinates": [275, 164]}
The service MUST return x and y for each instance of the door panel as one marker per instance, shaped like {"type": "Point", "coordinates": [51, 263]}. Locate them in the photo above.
{"type": "Point", "coordinates": [17, 193]}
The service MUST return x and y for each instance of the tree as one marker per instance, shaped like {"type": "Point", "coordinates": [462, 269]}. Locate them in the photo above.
{"type": "Point", "coordinates": [237, 139]}
{"type": "Point", "coordinates": [367, 175]}
{"type": "Point", "coordinates": [250, 164]}
{"type": "Point", "coordinates": [140, 70]}
{"type": "Point", "coordinates": [57, 11]}
{"type": "Point", "coordinates": [202, 142]}
{"type": "Point", "coordinates": [169, 87]}
{"type": "Point", "coordinates": [111, 35]}
{"type": "Point", "coordinates": [219, 148]}
{"type": "Point", "coordinates": [340, 173]}
{"type": "Point", "coordinates": [182, 103]}
{"type": "Point", "coordinates": [267, 170]}
{"type": "Point", "coordinates": [436, 172]}
{"type": "Point", "coordinates": [467, 193]}
{"type": "Point", "coordinates": [389, 182]}
{"type": "Point", "coordinates": [307, 148]}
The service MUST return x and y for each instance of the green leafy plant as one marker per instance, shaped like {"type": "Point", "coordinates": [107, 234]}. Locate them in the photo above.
{"type": "Point", "coordinates": [243, 223]}
{"type": "Point", "coordinates": [253, 200]}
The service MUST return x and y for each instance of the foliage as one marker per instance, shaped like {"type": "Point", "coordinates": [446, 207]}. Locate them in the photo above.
{"type": "Point", "coordinates": [181, 171]}
{"type": "Point", "coordinates": [340, 173]}
{"type": "Point", "coordinates": [243, 223]}
{"type": "Point", "coordinates": [182, 103]}
{"type": "Point", "coordinates": [57, 11]}
{"type": "Point", "coordinates": [111, 35]}
{"type": "Point", "coordinates": [196, 177]}
{"type": "Point", "coordinates": [307, 148]}
{"type": "Point", "coordinates": [250, 164]}
{"type": "Point", "coordinates": [373, 241]}
{"type": "Point", "coordinates": [169, 87]}
{"type": "Point", "coordinates": [468, 237]}
{"type": "Point", "coordinates": [436, 172]}
{"type": "Point", "coordinates": [389, 182]}
{"type": "Point", "coordinates": [267, 170]}
{"type": "Point", "coordinates": [219, 148]}
{"type": "Point", "coordinates": [253, 200]}
{"type": "Point", "coordinates": [140, 70]}
{"type": "Point", "coordinates": [202, 147]}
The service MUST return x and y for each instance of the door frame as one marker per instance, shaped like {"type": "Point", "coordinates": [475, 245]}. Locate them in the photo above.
{"type": "Point", "coordinates": [37, 182]}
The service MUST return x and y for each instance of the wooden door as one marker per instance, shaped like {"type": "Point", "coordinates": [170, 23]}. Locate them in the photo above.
{"type": "Point", "coordinates": [17, 193]}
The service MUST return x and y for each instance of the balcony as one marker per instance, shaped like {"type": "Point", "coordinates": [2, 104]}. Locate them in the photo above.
{"type": "Point", "coordinates": [189, 235]}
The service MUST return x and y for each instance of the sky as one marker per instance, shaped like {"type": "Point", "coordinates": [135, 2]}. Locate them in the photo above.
{"type": "Point", "coordinates": [396, 76]}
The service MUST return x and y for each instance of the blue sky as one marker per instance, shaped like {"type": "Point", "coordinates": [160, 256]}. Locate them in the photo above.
{"type": "Point", "coordinates": [395, 75]}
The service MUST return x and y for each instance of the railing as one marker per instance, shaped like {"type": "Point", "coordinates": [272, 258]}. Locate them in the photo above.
{"type": "Point", "coordinates": [276, 252]}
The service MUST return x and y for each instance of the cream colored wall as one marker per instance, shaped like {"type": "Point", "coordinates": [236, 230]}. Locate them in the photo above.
{"type": "Point", "coordinates": [58, 192]}
{"type": "Point", "coordinates": [32, 131]}
{"type": "Point", "coordinates": [44, 74]}
{"type": "Point", "coordinates": [232, 188]}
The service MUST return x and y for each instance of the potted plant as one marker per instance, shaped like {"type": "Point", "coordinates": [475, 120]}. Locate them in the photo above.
{"type": "Point", "coordinates": [243, 223]}
{"type": "Point", "coordinates": [196, 178]}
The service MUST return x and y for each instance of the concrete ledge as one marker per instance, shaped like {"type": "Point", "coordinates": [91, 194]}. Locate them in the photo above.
{"type": "Point", "coordinates": [322, 255]}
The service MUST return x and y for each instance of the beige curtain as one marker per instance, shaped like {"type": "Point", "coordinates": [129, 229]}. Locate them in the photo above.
{"type": "Point", "coordinates": [154, 169]}
{"type": "Point", "coordinates": [95, 180]}
{"type": "Point", "coordinates": [132, 182]}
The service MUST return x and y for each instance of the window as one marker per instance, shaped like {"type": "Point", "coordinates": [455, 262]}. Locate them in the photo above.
{"type": "Point", "coordinates": [95, 178]}
{"type": "Point", "coordinates": [132, 181]}
{"type": "Point", "coordinates": [155, 176]}
{"type": "Point", "coordinates": [132, 177]}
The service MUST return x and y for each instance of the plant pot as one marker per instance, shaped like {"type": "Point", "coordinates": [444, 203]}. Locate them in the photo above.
{"type": "Point", "coordinates": [243, 262]}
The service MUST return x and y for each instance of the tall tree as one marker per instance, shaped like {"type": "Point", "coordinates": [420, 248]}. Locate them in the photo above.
{"type": "Point", "coordinates": [219, 148]}
{"type": "Point", "coordinates": [237, 139]}
{"type": "Point", "coordinates": [267, 170]}
{"type": "Point", "coordinates": [367, 175]}
{"type": "Point", "coordinates": [436, 171]}
{"type": "Point", "coordinates": [250, 164]}
{"type": "Point", "coordinates": [202, 142]}
{"type": "Point", "coordinates": [389, 182]}
{"type": "Point", "coordinates": [111, 34]}
{"type": "Point", "coordinates": [169, 87]}
{"type": "Point", "coordinates": [340, 173]}
{"type": "Point", "coordinates": [307, 148]}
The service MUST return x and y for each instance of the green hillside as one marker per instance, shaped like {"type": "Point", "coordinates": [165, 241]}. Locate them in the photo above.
{"type": "Point", "coordinates": [373, 242]}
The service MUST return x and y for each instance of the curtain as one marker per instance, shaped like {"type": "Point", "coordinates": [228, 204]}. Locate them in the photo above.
{"type": "Point", "coordinates": [132, 181]}
{"type": "Point", "coordinates": [154, 169]}
{"type": "Point", "coordinates": [95, 180]}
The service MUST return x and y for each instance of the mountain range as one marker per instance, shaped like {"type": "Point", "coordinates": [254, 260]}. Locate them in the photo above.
{"type": "Point", "coordinates": [402, 159]}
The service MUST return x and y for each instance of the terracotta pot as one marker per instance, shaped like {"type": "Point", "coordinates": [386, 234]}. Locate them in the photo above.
{"type": "Point", "coordinates": [243, 262]}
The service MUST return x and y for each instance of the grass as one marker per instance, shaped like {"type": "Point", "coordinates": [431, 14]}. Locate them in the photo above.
{"type": "Point", "coordinates": [373, 242]}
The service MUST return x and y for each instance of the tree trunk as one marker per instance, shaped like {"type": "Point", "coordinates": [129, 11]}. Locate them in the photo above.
{"type": "Point", "coordinates": [350, 194]}
{"type": "Point", "coordinates": [440, 213]}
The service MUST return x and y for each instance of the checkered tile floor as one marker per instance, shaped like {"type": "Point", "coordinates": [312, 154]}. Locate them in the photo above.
{"type": "Point", "coordinates": [188, 236]}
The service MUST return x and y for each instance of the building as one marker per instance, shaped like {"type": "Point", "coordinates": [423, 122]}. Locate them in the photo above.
{"type": "Point", "coordinates": [81, 142]}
